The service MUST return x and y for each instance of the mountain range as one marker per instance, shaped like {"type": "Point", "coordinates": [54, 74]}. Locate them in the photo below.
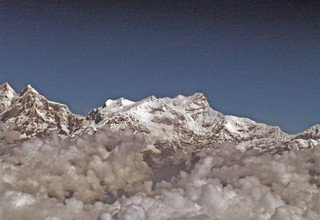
{"type": "Point", "coordinates": [168, 122]}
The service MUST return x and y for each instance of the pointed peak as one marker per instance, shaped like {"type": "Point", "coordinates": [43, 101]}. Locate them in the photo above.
{"type": "Point", "coordinates": [7, 91]}
{"type": "Point", "coordinates": [6, 87]}
{"type": "Point", "coordinates": [29, 89]}
{"type": "Point", "coordinates": [6, 84]}
{"type": "Point", "coordinates": [29, 86]}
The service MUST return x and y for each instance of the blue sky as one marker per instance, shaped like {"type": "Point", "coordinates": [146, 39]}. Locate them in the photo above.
{"type": "Point", "coordinates": [259, 60]}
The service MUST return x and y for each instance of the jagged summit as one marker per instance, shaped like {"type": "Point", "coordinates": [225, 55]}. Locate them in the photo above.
{"type": "Point", "coordinates": [6, 87]}
{"type": "Point", "coordinates": [29, 89]}
{"type": "Point", "coordinates": [33, 115]}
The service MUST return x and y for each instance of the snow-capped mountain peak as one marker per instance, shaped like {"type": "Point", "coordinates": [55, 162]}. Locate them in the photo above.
{"type": "Point", "coordinates": [5, 87]}
{"type": "Point", "coordinates": [29, 89]}
{"type": "Point", "coordinates": [182, 120]}
{"type": "Point", "coordinates": [117, 104]}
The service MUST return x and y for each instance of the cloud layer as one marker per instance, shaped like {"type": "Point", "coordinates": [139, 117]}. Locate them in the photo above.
{"type": "Point", "coordinates": [105, 177]}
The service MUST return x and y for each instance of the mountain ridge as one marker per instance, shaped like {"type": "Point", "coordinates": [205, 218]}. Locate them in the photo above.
{"type": "Point", "coordinates": [178, 121]}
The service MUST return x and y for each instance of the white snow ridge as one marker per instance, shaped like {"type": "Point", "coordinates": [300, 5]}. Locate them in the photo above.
{"type": "Point", "coordinates": [155, 159]}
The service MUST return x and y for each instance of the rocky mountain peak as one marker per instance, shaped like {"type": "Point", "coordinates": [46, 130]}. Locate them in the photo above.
{"type": "Point", "coordinates": [199, 97]}
{"type": "Point", "coordinates": [6, 87]}
{"type": "Point", "coordinates": [34, 115]}
{"type": "Point", "coordinates": [311, 133]}
{"type": "Point", "coordinates": [7, 91]}
{"type": "Point", "coordinates": [29, 90]}
{"type": "Point", "coordinates": [7, 94]}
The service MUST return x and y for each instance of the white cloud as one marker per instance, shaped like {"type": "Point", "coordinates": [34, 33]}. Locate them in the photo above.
{"type": "Point", "coordinates": [104, 177]}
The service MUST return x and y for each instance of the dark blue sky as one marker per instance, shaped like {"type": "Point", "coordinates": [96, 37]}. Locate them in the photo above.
{"type": "Point", "coordinates": [258, 59]}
